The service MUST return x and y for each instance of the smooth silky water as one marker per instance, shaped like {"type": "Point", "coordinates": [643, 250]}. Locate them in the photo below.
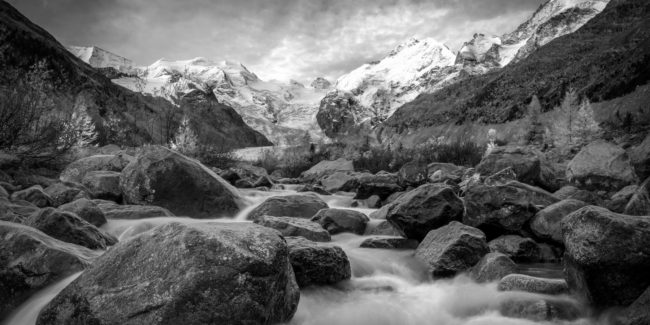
{"type": "Point", "coordinates": [388, 287]}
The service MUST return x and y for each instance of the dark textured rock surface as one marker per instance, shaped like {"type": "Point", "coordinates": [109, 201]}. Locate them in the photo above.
{"type": "Point", "coordinates": [341, 220]}
{"type": "Point", "coordinates": [639, 204]}
{"type": "Point", "coordinates": [547, 223]}
{"type": "Point", "coordinates": [521, 282]}
{"type": "Point", "coordinates": [316, 264]}
{"type": "Point", "coordinates": [68, 227]}
{"type": "Point", "coordinates": [34, 194]}
{"type": "Point", "coordinates": [113, 210]}
{"type": "Point", "coordinates": [87, 210]}
{"type": "Point", "coordinates": [296, 227]}
{"type": "Point", "coordinates": [389, 242]}
{"type": "Point", "coordinates": [492, 267]}
{"type": "Point", "coordinates": [519, 249]}
{"type": "Point", "coordinates": [601, 165]}
{"type": "Point", "coordinates": [299, 206]}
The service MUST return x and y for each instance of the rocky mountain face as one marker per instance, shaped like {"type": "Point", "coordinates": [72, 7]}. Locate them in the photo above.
{"type": "Point", "coordinates": [100, 58]}
{"type": "Point", "coordinates": [119, 114]}
{"type": "Point", "coordinates": [426, 66]}
{"type": "Point", "coordinates": [282, 112]}
{"type": "Point", "coordinates": [599, 61]}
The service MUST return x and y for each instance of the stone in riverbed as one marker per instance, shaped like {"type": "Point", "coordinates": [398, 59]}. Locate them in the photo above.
{"type": "Point", "coordinates": [425, 208]}
{"type": "Point", "coordinates": [34, 194]}
{"type": "Point", "coordinates": [547, 223]}
{"type": "Point", "coordinates": [540, 309]}
{"type": "Point", "coordinates": [341, 220]}
{"type": "Point", "coordinates": [76, 171]}
{"type": "Point", "coordinates": [297, 206]}
{"type": "Point", "coordinates": [601, 165]}
{"type": "Point", "coordinates": [518, 248]}
{"type": "Point", "coordinates": [68, 227]}
{"type": "Point", "coordinates": [289, 226]}
{"type": "Point", "coordinates": [31, 260]}
{"type": "Point", "coordinates": [452, 249]}
{"type": "Point", "coordinates": [113, 210]}
{"type": "Point", "coordinates": [620, 199]}
{"type": "Point", "coordinates": [607, 256]}
{"type": "Point", "coordinates": [492, 267]}
{"type": "Point", "coordinates": [208, 273]}
{"type": "Point", "coordinates": [316, 264]}
{"type": "Point", "coordinates": [87, 210]}
{"type": "Point", "coordinates": [382, 184]}
{"type": "Point", "coordinates": [340, 181]}
{"type": "Point", "coordinates": [103, 184]}
{"type": "Point", "coordinates": [165, 178]}
{"type": "Point", "coordinates": [325, 168]}
{"type": "Point", "coordinates": [61, 193]}
{"type": "Point", "coordinates": [522, 282]}
{"type": "Point", "coordinates": [383, 228]}
{"type": "Point", "coordinates": [389, 242]}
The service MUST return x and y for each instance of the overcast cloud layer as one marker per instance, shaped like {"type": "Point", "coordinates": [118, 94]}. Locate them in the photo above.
{"type": "Point", "coordinates": [276, 39]}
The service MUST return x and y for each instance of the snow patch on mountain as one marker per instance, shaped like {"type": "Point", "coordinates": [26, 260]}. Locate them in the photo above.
{"type": "Point", "coordinates": [100, 58]}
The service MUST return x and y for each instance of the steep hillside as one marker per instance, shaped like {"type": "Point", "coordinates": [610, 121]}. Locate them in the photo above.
{"type": "Point", "coordinates": [608, 57]}
{"type": "Point", "coordinates": [76, 84]}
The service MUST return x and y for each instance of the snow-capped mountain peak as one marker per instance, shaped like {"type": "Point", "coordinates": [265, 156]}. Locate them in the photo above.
{"type": "Point", "coordinates": [100, 58]}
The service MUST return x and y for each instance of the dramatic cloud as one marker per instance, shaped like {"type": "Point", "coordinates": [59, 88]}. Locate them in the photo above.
{"type": "Point", "coordinates": [277, 39]}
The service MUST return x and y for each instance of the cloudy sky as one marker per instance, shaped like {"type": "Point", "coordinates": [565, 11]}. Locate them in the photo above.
{"type": "Point", "coordinates": [281, 39]}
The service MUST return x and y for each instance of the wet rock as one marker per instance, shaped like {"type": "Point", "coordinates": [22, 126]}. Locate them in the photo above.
{"type": "Point", "coordinates": [68, 227]}
{"type": "Point", "coordinates": [504, 209]}
{"type": "Point", "coordinates": [31, 260]}
{"type": "Point", "coordinates": [243, 183]}
{"type": "Point", "coordinates": [427, 207]}
{"type": "Point", "coordinates": [607, 255]}
{"type": "Point", "coordinates": [383, 228]}
{"type": "Point", "coordinates": [35, 195]}
{"type": "Point", "coordinates": [316, 264]}
{"type": "Point", "coordinates": [525, 163]}
{"type": "Point", "coordinates": [103, 184]}
{"type": "Point", "coordinates": [413, 173]}
{"type": "Point", "coordinates": [297, 206]}
{"type": "Point", "coordinates": [208, 273]}
{"type": "Point", "coordinates": [393, 197]}
{"type": "Point", "coordinates": [452, 249]}
{"type": "Point", "coordinates": [326, 168]}
{"type": "Point", "coordinates": [340, 181]}
{"type": "Point", "coordinates": [341, 220]}
{"type": "Point", "coordinates": [87, 210]}
{"type": "Point", "coordinates": [295, 227]}
{"type": "Point", "coordinates": [638, 313]}
{"type": "Point", "coordinates": [444, 172]}
{"type": "Point", "coordinates": [639, 204]}
{"type": "Point", "coordinates": [522, 282]}
{"type": "Point", "coordinates": [619, 200]}
{"type": "Point", "coordinates": [574, 193]}
{"type": "Point", "coordinates": [547, 223]}
{"type": "Point", "coordinates": [519, 249]}
{"type": "Point", "coordinates": [601, 165]}
{"type": "Point", "coordinates": [313, 188]}
{"type": "Point", "coordinates": [492, 267]}
{"type": "Point", "coordinates": [168, 179]}
{"type": "Point", "coordinates": [389, 242]}
{"type": "Point", "coordinates": [113, 210]}
{"type": "Point", "coordinates": [263, 181]}
{"type": "Point", "coordinates": [381, 184]}
{"type": "Point", "coordinates": [76, 171]}
{"type": "Point", "coordinates": [62, 193]}
{"type": "Point", "coordinates": [539, 309]}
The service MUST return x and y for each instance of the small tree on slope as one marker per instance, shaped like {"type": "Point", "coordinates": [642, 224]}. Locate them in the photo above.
{"type": "Point", "coordinates": [185, 141]}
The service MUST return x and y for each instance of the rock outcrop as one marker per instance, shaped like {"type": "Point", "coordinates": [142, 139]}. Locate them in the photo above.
{"type": "Point", "coordinates": [341, 220]}
{"type": "Point", "coordinates": [316, 264]}
{"type": "Point", "coordinates": [601, 166]}
{"type": "Point", "coordinates": [297, 206]}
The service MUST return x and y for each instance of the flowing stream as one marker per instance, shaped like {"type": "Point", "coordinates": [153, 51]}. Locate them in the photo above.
{"type": "Point", "coordinates": [387, 286]}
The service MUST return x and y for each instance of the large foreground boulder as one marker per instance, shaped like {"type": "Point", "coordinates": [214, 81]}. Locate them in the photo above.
{"type": "Point", "coordinates": [76, 171]}
{"type": "Point", "coordinates": [31, 260]}
{"type": "Point", "coordinates": [452, 249]}
{"type": "Point", "coordinates": [208, 273]}
{"type": "Point", "coordinates": [68, 227]}
{"type": "Point", "coordinates": [316, 264]}
{"type": "Point", "coordinates": [341, 220]}
{"type": "Point", "coordinates": [601, 165]}
{"type": "Point", "coordinates": [504, 209]}
{"type": "Point", "coordinates": [425, 208]}
{"type": "Point", "coordinates": [298, 206]}
{"type": "Point", "coordinates": [297, 227]}
{"type": "Point", "coordinates": [607, 256]}
{"type": "Point", "coordinates": [547, 223]}
{"type": "Point", "coordinates": [182, 185]}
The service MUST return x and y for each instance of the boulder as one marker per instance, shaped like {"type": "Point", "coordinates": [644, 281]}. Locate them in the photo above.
{"type": "Point", "coordinates": [601, 166]}
{"type": "Point", "coordinates": [316, 264]}
{"type": "Point", "coordinates": [263, 181]}
{"type": "Point", "coordinates": [62, 193]}
{"type": "Point", "coordinates": [341, 220]}
{"type": "Point", "coordinates": [76, 171]}
{"type": "Point", "coordinates": [313, 188]}
{"type": "Point", "coordinates": [620, 199]}
{"type": "Point", "coordinates": [640, 157]}
{"type": "Point", "coordinates": [340, 181]}
{"type": "Point", "coordinates": [547, 223]}
{"type": "Point", "coordinates": [68, 227]}
{"type": "Point", "coordinates": [243, 183]}
{"type": "Point", "coordinates": [34, 194]}
{"type": "Point", "coordinates": [526, 163]}
{"type": "Point", "coordinates": [326, 168]}
{"type": "Point", "coordinates": [519, 249]}
{"type": "Point", "coordinates": [206, 273]}
{"type": "Point", "coordinates": [389, 242]}
{"type": "Point", "coordinates": [638, 313]}
{"type": "Point", "coordinates": [113, 210]}
{"type": "Point", "coordinates": [31, 260]}
{"type": "Point", "coordinates": [572, 192]}
{"type": "Point", "coordinates": [607, 255]}
{"type": "Point", "coordinates": [639, 204]}
{"type": "Point", "coordinates": [87, 210]}
{"type": "Point", "coordinates": [504, 209]}
{"type": "Point", "coordinates": [381, 184]}
{"type": "Point", "coordinates": [295, 227]}
{"type": "Point", "coordinates": [413, 173]}
{"type": "Point", "coordinates": [383, 228]}
{"type": "Point", "coordinates": [103, 184]}
{"type": "Point", "coordinates": [452, 249]}
{"type": "Point", "coordinates": [297, 206]}
{"type": "Point", "coordinates": [425, 208]}
{"type": "Point", "coordinates": [500, 178]}
{"type": "Point", "coordinates": [16, 211]}
{"type": "Point", "coordinates": [445, 172]}
{"type": "Point", "coordinates": [492, 267]}
{"type": "Point", "coordinates": [540, 309]}
{"type": "Point", "coordinates": [165, 178]}
{"type": "Point", "coordinates": [527, 283]}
